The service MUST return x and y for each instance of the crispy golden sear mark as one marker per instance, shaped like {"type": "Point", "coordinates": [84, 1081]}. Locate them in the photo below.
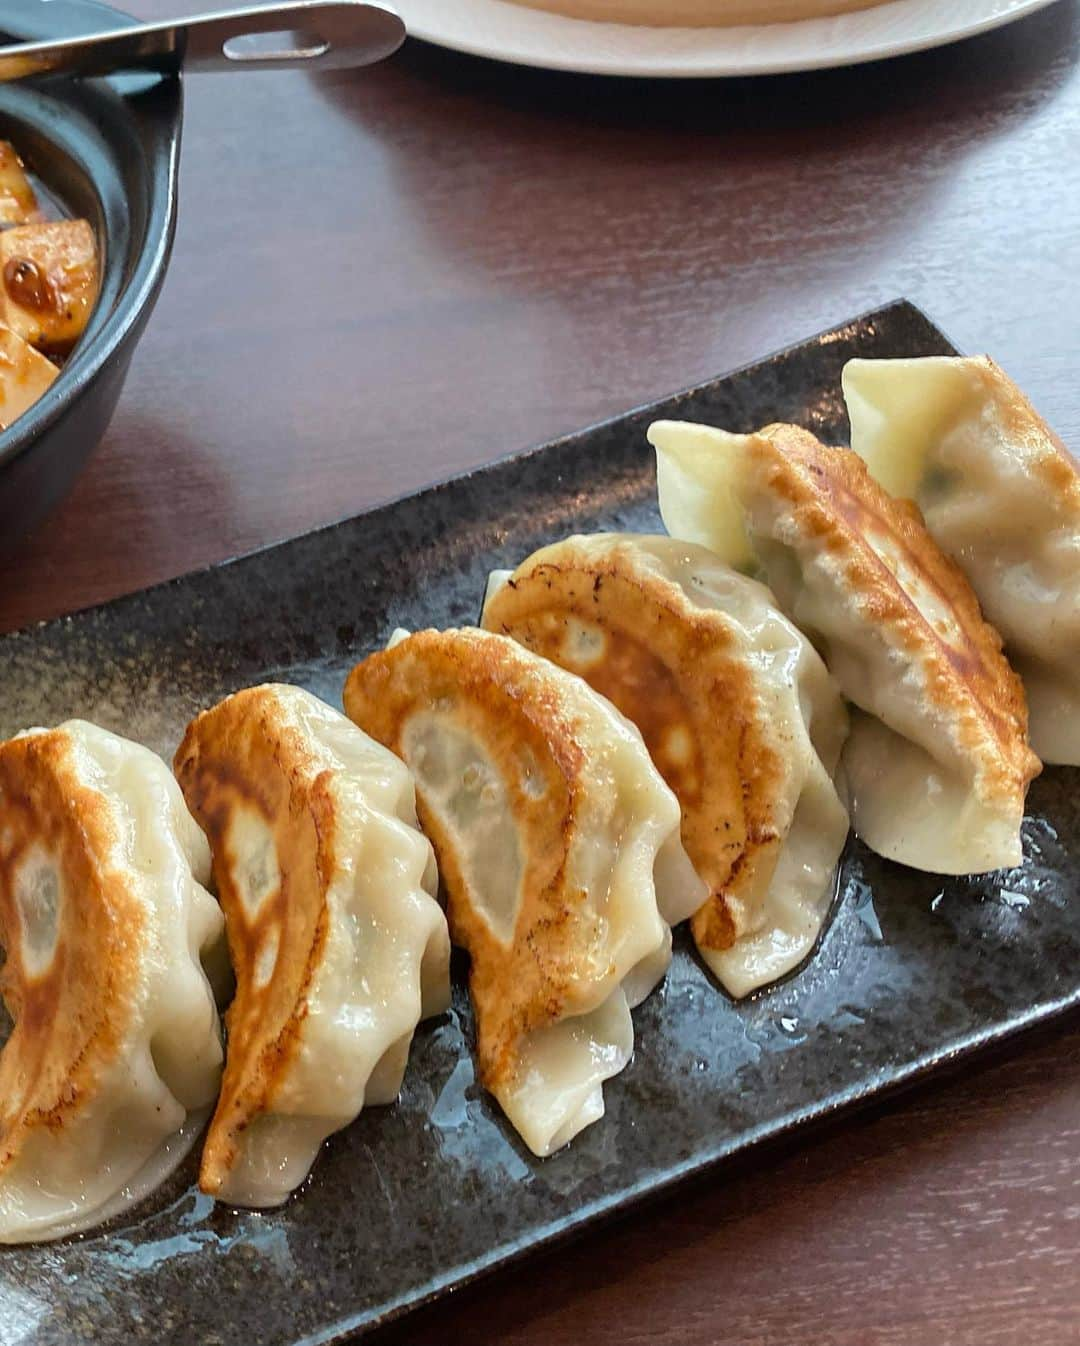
{"type": "Point", "coordinates": [526, 734]}
{"type": "Point", "coordinates": [904, 584]}
{"type": "Point", "coordinates": [72, 929]}
{"type": "Point", "coordinates": [675, 670]}
{"type": "Point", "coordinates": [270, 821]}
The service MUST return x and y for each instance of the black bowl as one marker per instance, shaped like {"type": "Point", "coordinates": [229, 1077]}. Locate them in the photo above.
{"type": "Point", "coordinates": [108, 151]}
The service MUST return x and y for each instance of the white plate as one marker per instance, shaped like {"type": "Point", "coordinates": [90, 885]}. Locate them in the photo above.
{"type": "Point", "coordinates": [509, 32]}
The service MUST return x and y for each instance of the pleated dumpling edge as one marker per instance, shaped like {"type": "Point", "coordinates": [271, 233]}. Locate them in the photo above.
{"type": "Point", "coordinates": [558, 846]}
{"type": "Point", "coordinates": [937, 765]}
{"type": "Point", "coordinates": [737, 710]}
{"type": "Point", "coordinates": [1000, 494]}
{"type": "Point", "coordinates": [338, 943]}
{"type": "Point", "coordinates": [114, 1060]}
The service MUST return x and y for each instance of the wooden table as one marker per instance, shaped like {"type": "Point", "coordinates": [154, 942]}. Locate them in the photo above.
{"type": "Point", "coordinates": [385, 277]}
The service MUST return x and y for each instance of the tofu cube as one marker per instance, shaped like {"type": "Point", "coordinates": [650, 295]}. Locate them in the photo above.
{"type": "Point", "coordinates": [18, 204]}
{"type": "Point", "coordinates": [48, 282]}
{"type": "Point", "coordinates": [24, 376]}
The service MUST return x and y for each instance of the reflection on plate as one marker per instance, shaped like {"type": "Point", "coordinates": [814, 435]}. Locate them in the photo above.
{"type": "Point", "coordinates": [510, 32]}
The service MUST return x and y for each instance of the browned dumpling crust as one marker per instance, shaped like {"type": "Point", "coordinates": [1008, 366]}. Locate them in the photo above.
{"type": "Point", "coordinates": [683, 647]}
{"type": "Point", "coordinates": [72, 1004]}
{"type": "Point", "coordinates": [669, 670]}
{"type": "Point", "coordinates": [234, 760]}
{"type": "Point", "coordinates": [937, 763]}
{"type": "Point", "coordinates": [336, 940]}
{"type": "Point", "coordinates": [558, 846]}
{"type": "Point", "coordinates": [531, 731]}
{"type": "Point", "coordinates": [831, 496]}
{"type": "Point", "coordinates": [115, 1056]}
{"type": "Point", "coordinates": [1000, 494]}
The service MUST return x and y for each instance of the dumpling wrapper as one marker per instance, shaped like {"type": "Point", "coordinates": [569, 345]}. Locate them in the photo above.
{"type": "Point", "coordinates": [558, 845]}
{"type": "Point", "coordinates": [937, 763]}
{"type": "Point", "coordinates": [736, 709]}
{"type": "Point", "coordinates": [115, 1055]}
{"type": "Point", "coordinates": [338, 943]}
{"type": "Point", "coordinates": [1001, 495]}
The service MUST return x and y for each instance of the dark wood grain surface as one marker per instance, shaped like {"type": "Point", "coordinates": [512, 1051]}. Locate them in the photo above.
{"type": "Point", "coordinates": [385, 277]}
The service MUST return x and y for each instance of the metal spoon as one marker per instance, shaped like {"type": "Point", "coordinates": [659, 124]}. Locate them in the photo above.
{"type": "Point", "coordinates": [315, 34]}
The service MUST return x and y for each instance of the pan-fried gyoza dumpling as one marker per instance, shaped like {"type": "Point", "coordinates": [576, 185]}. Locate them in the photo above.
{"type": "Point", "coordinates": [338, 943]}
{"type": "Point", "coordinates": [115, 1057]}
{"type": "Point", "coordinates": [737, 710]}
{"type": "Point", "coordinates": [558, 845]}
{"type": "Point", "coordinates": [1001, 496]}
{"type": "Point", "coordinates": [938, 764]}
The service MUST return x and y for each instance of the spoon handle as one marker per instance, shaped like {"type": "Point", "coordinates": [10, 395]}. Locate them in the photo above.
{"type": "Point", "coordinates": [312, 34]}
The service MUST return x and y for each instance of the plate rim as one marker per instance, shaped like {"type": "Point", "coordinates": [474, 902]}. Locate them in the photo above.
{"type": "Point", "coordinates": [573, 60]}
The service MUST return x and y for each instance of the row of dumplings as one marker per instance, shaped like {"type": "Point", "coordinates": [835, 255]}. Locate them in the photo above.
{"type": "Point", "coordinates": [638, 733]}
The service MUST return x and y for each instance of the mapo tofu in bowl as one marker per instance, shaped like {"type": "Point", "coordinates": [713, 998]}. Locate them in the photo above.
{"type": "Point", "coordinates": [86, 230]}
{"type": "Point", "coordinates": [49, 281]}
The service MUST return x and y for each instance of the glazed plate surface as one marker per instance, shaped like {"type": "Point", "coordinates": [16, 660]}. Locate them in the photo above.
{"type": "Point", "coordinates": [912, 971]}
{"type": "Point", "coordinates": [512, 32]}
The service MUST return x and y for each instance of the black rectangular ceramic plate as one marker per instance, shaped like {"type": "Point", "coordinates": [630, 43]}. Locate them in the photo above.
{"type": "Point", "coordinates": [912, 971]}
